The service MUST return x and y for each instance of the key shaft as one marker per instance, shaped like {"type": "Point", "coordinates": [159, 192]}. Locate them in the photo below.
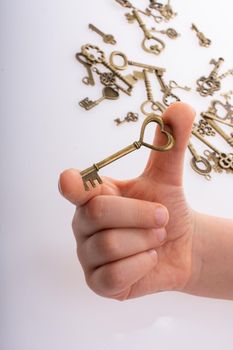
{"type": "Point", "coordinates": [220, 131]}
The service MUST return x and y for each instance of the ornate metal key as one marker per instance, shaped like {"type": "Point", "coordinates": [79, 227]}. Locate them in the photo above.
{"type": "Point", "coordinates": [197, 160]}
{"type": "Point", "coordinates": [165, 10]}
{"type": "Point", "coordinates": [225, 161]}
{"type": "Point", "coordinates": [228, 108]}
{"type": "Point", "coordinates": [108, 94]}
{"type": "Point", "coordinates": [203, 41]}
{"type": "Point", "coordinates": [155, 105]}
{"type": "Point", "coordinates": [167, 91]}
{"type": "Point", "coordinates": [158, 45]}
{"type": "Point", "coordinates": [212, 121]}
{"type": "Point", "coordinates": [91, 176]}
{"type": "Point", "coordinates": [127, 63]}
{"type": "Point", "coordinates": [107, 38]}
{"type": "Point", "coordinates": [89, 80]}
{"type": "Point", "coordinates": [170, 32]}
{"type": "Point", "coordinates": [95, 55]}
{"type": "Point", "coordinates": [209, 85]}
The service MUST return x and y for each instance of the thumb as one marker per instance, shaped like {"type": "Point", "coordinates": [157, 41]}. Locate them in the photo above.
{"type": "Point", "coordinates": [71, 187]}
{"type": "Point", "coordinates": [168, 167]}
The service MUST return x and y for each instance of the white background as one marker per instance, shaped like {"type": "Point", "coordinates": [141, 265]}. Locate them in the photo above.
{"type": "Point", "coordinates": [45, 303]}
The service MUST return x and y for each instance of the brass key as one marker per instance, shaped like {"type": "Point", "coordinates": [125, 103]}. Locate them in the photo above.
{"type": "Point", "coordinates": [150, 102]}
{"type": "Point", "coordinates": [158, 45]}
{"type": "Point", "coordinates": [91, 176]}
{"type": "Point", "coordinates": [170, 32]}
{"type": "Point", "coordinates": [228, 108]}
{"type": "Point", "coordinates": [107, 38]}
{"type": "Point", "coordinates": [108, 94]}
{"type": "Point", "coordinates": [167, 91]}
{"type": "Point", "coordinates": [225, 161]}
{"type": "Point", "coordinates": [127, 63]}
{"type": "Point", "coordinates": [203, 41]}
{"type": "Point", "coordinates": [95, 55]}
{"type": "Point", "coordinates": [209, 85]}
{"type": "Point", "coordinates": [212, 122]}
{"type": "Point", "coordinates": [165, 10]}
{"type": "Point", "coordinates": [89, 80]}
{"type": "Point", "coordinates": [206, 167]}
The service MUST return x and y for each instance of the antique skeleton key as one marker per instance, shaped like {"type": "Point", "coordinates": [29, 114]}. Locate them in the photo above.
{"type": "Point", "coordinates": [225, 161]}
{"type": "Point", "coordinates": [131, 117]}
{"type": "Point", "coordinates": [212, 122]}
{"type": "Point", "coordinates": [170, 32]}
{"type": "Point", "coordinates": [166, 10]}
{"type": "Point", "coordinates": [203, 128]}
{"type": "Point", "coordinates": [155, 105]}
{"type": "Point", "coordinates": [209, 85]}
{"type": "Point", "coordinates": [197, 160]}
{"type": "Point", "coordinates": [89, 80]}
{"type": "Point", "coordinates": [95, 55]}
{"type": "Point", "coordinates": [228, 108]}
{"type": "Point", "coordinates": [148, 12]}
{"type": "Point", "coordinates": [158, 45]}
{"type": "Point", "coordinates": [203, 41]}
{"type": "Point", "coordinates": [108, 93]}
{"type": "Point", "coordinates": [127, 63]}
{"type": "Point", "coordinates": [167, 91]}
{"type": "Point", "coordinates": [109, 79]}
{"type": "Point", "coordinates": [173, 85]}
{"type": "Point", "coordinates": [91, 176]}
{"type": "Point", "coordinates": [107, 38]}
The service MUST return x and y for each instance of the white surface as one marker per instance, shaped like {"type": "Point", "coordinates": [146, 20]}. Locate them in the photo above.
{"type": "Point", "coordinates": [45, 301]}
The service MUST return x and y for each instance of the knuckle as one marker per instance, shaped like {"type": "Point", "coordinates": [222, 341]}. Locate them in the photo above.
{"type": "Point", "coordinates": [106, 245]}
{"type": "Point", "coordinates": [113, 279]}
{"type": "Point", "coordinates": [94, 209]}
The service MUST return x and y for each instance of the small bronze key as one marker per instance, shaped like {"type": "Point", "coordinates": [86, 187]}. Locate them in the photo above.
{"type": "Point", "coordinates": [107, 38]}
{"type": "Point", "coordinates": [90, 175]}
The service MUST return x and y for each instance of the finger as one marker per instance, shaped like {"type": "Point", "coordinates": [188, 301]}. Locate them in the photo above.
{"type": "Point", "coordinates": [115, 280]}
{"type": "Point", "coordinates": [71, 187]}
{"type": "Point", "coordinates": [107, 212]}
{"type": "Point", "coordinates": [111, 245]}
{"type": "Point", "coordinates": [167, 167]}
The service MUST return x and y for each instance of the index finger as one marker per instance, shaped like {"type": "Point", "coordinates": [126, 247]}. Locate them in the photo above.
{"type": "Point", "coordinates": [71, 187]}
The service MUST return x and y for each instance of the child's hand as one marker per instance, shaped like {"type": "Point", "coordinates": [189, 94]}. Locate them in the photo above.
{"type": "Point", "coordinates": [135, 237]}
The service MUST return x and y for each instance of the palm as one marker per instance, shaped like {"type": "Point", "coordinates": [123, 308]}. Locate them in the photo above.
{"type": "Point", "coordinates": [173, 269]}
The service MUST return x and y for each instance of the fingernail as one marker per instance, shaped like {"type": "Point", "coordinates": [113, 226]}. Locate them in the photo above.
{"type": "Point", "coordinates": [161, 234]}
{"type": "Point", "coordinates": [161, 217]}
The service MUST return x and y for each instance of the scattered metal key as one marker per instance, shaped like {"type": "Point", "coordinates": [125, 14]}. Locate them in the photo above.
{"type": "Point", "coordinates": [156, 106]}
{"type": "Point", "coordinates": [131, 117]}
{"type": "Point", "coordinates": [170, 32]}
{"type": "Point", "coordinates": [90, 175]}
{"type": "Point", "coordinates": [95, 55]}
{"type": "Point", "coordinates": [225, 161]}
{"type": "Point", "coordinates": [108, 93]}
{"type": "Point", "coordinates": [167, 91]}
{"type": "Point", "coordinates": [89, 80]}
{"type": "Point", "coordinates": [203, 41]}
{"type": "Point", "coordinates": [127, 63]}
{"type": "Point", "coordinates": [212, 122]}
{"type": "Point", "coordinates": [209, 85]}
{"type": "Point", "coordinates": [206, 168]}
{"type": "Point", "coordinates": [107, 38]}
{"type": "Point", "coordinates": [158, 45]}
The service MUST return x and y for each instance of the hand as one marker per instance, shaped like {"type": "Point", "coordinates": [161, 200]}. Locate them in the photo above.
{"type": "Point", "coordinates": [135, 237]}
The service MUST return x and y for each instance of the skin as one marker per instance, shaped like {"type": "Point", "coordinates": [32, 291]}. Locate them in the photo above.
{"type": "Point", "coordinates": [140, 236]}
